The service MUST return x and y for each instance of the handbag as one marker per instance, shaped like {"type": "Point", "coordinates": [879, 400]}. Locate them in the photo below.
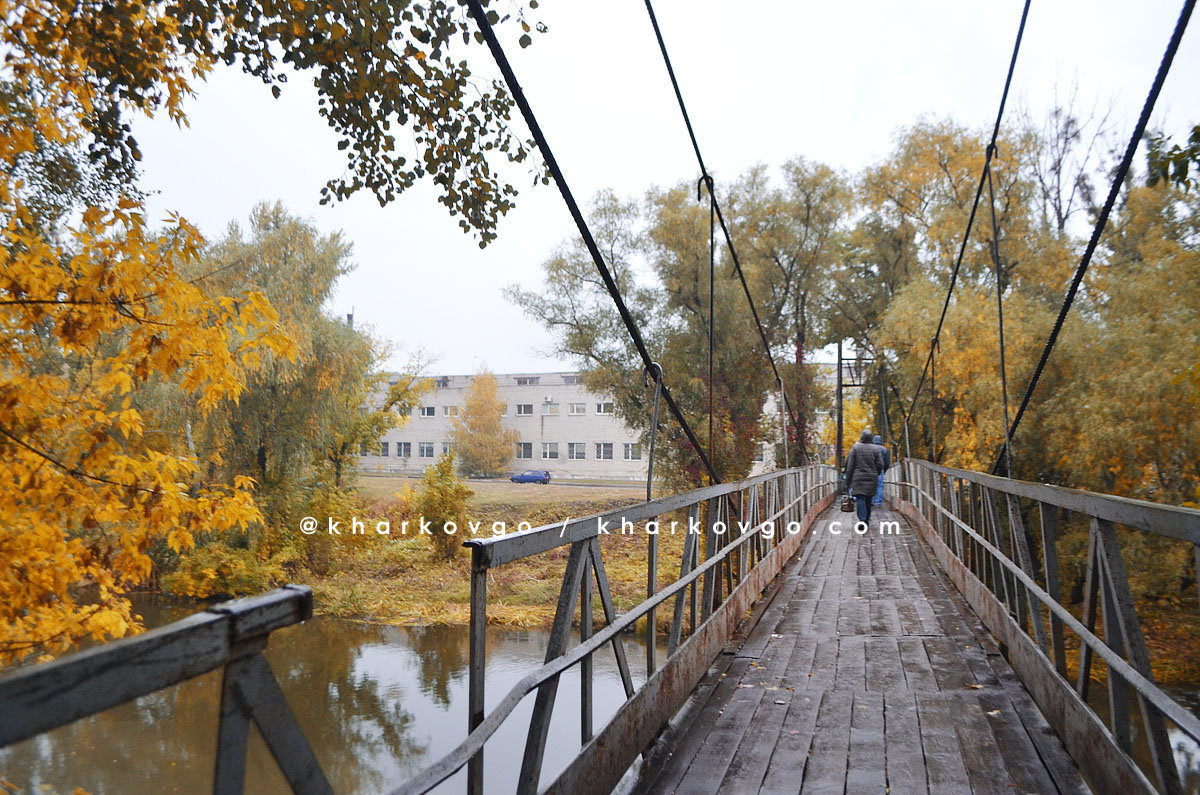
{"type": "Point", "coordinates": [848, 504]}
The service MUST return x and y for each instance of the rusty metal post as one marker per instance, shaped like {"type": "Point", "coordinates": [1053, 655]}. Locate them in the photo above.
{"type": "Point", "coordinates": [586, 664]}
{"type": "Point", "coordinates": [476, 660]}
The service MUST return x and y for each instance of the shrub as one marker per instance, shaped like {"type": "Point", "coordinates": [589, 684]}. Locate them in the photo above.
{"type": "Point", "coordinates": [443, 498]}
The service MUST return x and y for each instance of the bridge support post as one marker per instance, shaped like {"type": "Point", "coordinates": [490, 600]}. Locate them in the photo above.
{"type": "Point", "coordinates": [1048, 521]}
{"type": "Point", "coordinates": [477, 656]}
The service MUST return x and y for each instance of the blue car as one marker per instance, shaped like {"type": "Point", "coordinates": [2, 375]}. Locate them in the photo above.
{"type": "Point", "coordinates": [532, 476]}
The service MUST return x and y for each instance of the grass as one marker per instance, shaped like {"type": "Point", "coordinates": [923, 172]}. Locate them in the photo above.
{"type": "Point", "coordinates": [396, 579]}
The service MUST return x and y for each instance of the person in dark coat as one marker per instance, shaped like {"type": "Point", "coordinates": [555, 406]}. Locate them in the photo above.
{"type": "Point", "coordinates": [887, 462]}
{"type": "Point", "coordinates": [864, 465]}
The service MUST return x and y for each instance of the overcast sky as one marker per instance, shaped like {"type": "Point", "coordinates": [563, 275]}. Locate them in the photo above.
{"type": "Point", "coordinates": [763, 81]}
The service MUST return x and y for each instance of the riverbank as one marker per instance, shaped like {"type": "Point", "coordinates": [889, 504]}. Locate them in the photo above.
{"type": "Point", "coordinates": [397, 579]}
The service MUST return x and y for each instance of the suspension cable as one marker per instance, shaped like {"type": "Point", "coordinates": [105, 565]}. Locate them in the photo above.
{"type": "Point", "coordinates": [489, 35]}
{"type": "Point", "coordinates": [1139, 130]}
{"type": "Point", "coordinates": [737, 266]}
{"type": "Point", "coordinates": [712, 290]}
{"type": "Point", "coordinates": [991, 149]}
{"type": "Point", "coordinates": [1000, 325]}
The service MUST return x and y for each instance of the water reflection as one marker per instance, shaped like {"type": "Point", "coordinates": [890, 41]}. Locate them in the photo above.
{"type": "Point", "coordinates": [376, 702]}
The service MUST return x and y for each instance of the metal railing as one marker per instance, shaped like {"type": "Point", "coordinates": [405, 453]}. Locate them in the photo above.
{"type": "Point", "coordinates": [231, 636]}
{"type": "Point", "coordinates": [977, 526]}
{"type": "Point", "coordinates": [740, 560]}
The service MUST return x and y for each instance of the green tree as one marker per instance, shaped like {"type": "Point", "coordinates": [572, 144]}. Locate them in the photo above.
{"type": "Point", "coordinates": [789, 238]}
{"type": "Point", "coordinates": [482, 443]}
{"type": "Point", "coordinates": [670, 231]}
{"type": "Point", "coordinates": [1167, 162]}
{"type": "Point", "coordinates": [301, 420]}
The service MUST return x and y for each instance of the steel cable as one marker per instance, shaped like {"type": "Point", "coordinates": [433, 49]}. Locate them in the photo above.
{"type": "Point", "coordinates": [737, 266]}
{"type": "Point", "coordinates": [480, 15]}
{"type": "Point", "coordinates": [1139, 130]}
{"type": "Point", "coordinates": [991, 149]}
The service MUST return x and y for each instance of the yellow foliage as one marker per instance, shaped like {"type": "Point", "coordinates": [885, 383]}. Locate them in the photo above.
{"type": "Point", "coordinates": [89, 318]}
{"type": "Point", "coordinates": [856, 417]}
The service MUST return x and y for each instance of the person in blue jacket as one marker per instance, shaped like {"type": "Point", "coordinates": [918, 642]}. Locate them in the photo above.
{"type": "Point", "coordinates": [887, 462]}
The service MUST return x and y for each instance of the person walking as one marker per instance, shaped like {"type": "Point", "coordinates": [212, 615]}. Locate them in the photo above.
{"type": "Point", "coordinates": [864, 465]}
{"type": "Point", "coordinates": [887, 462]}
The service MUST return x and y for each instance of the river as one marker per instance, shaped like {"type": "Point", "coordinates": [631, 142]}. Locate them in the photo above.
{"type": "Point", "coordinates": [377, 703]}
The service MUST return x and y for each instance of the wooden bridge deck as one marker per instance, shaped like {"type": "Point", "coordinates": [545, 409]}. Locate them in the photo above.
{"type": "Point", "coordinates": [865, 671]}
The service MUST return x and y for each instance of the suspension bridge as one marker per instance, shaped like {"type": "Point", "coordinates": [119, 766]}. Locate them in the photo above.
{"type": "Point", "coordinates": [932, 653]}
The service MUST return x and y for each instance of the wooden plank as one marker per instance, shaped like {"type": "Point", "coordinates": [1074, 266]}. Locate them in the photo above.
{"type": "Point", "coordinates": [949, 667]}
{"type": "Point", "coordinates": [943, 757]}
{"type": "Point", "coordinates": [712, 761]}
{"type": "Point", "coordinates": [749, 764]}
{"type": "Point", "coordinates": [1025, 768]}
{"type": "Point", "coordinates": [918, 672]}
{"type": "Point", "coordinates": [884, 669]}
{"type": "Point", "coordinates": [885, 618]}
{"type": "Point", "coordinates": [854, 617]}
{"type": "Point", "coordinates": [785, 769]}
{"type": "Point", "coordinates": [797, 673]}
{"type": "Point", "coordinates": [902, 743]}
{"type": "Point", "coordinates": [867, 763]}
{"type": "Point", "coordinates": [677, 764]}
{"type": "Point", "coordinates": [824, 665]}
{"type": "Point", "coordinates": [851, 663]}
{"type": "Point", "coordinates": [910, 620]}
{"type": "Point", "coordinates": [1051, 753]}
{"type": "Point", "coordinates": [827, 758]}
{"type": "Point", "coordinates": [981, 757]}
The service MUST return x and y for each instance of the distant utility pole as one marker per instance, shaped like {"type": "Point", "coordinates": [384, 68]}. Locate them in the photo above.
{"type": "Point", "coordinates": [838, 452]}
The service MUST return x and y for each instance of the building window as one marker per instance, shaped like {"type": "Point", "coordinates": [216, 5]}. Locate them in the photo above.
{"type": "Point", "coordinates": [604, 451]}
{"type": "Point", "coordinates": [576, 451]}
{"type": "Point", "coordinates": [575, 409]}
{"type": "Point", "coordinates": [425, 449]}
{"type": "Point", "coordinates": [363, 449]}
{"type": "Point", "coordinates": [550, 409]}
{"type": "Point", "coordinates": [758, 452]}
{"type": "Point", "coordinates": [528, 380]}
{"type": "Point", "coordinates": [428, 411]}
{"type": "Point", "coordinates": [633, 451]}
{"type": "Point", "coordinates": [572, 379]}
{"type": "Point", "coordinates": [442, 382]}
{"type": "Point", "coordinates": [604, 408]}
{"type": "Point", "coordinates": [403, 449]}
{"type": "Point", "coordinates": [524, 409]}
{"type": "Point", "coordinates": [447, 447]}
{"type": "Point", "coordinates": [449, 411]}
{"type": "Point", "coordinates": [524, 449]}
{"type": "Point", "coordinates": [503, 409]}
{"type": "Point", "coordinates": [383, 449]}
{"type": "Point", "coordinates": [549, 449]}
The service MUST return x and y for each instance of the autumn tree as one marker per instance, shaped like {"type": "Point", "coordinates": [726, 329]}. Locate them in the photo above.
{"type": "Point", "coordinates": [669, 230]}
{"type": "Point", "coordinates": [100, 307]}
{"type": "Point", "coordinates": [790, 236]}
{"type": "Point", "coordinates": [481, 442]}
{"type": "Point", "coordinates": [442, 502]}
{"type": "Point", "coordinates": [300, 422]}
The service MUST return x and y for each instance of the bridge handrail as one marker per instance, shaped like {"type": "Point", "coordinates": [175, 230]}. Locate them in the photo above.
{"type": "Point", "coordinates": [498, 550]}
{"type": "Point", "coordinates": [721, 590]}
{"type": "Point", "coordinates": [456, 759]}
{"type": "Point", "coordinates": [1146, 688]}
{"type": "Point", "coordinates": [970, 519]}
{"type": "Point", "coordinates": [1154, 517]}
{"type": "Point", "coordinates": [230, 635]}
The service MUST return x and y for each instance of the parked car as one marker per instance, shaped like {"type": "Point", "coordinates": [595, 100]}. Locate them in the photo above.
{"type": "Point", "coordinates": [532, 476]}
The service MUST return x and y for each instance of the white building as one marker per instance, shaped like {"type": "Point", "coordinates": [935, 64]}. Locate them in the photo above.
{"type": "Point", "coordinates": [561, 426]}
